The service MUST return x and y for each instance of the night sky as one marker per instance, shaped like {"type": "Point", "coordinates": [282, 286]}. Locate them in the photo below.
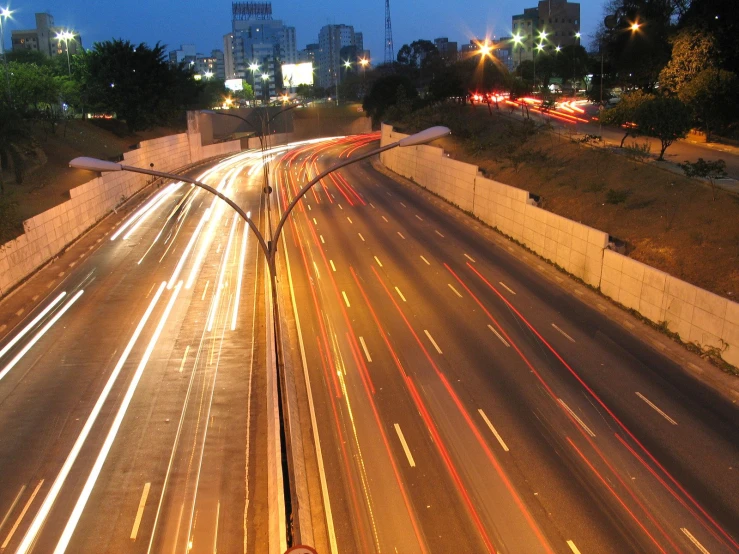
{"type": "Point", "coordinates": [204, 23]}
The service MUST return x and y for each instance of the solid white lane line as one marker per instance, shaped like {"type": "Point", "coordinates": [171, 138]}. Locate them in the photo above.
{"type": "Point", "coordinates": [407, 450]}
{"type": "Point", "coordinates": [21, 515]}
{"type": "Point", "coordinates": [438, 233]}
{"type": "Point", "coordinates": [432, 341]}
{"type": "Point", "coordinates": [314, 221]}
{"type": "Point", "coordinates": [470, 258]}
{"type": "Point", "coordinates": [401, 235]}
{"type": "Point", "coordinates": [400, 294]}
{"type": "Point", "coordinates": [419, 217]}
{"type": "Point", "coordinates": [572, 546]}
{"type": "Point", "coordinates": [455, 290]}
{"type": "Point", "coordinates": [346, 300]}
{"type": "Point", "coordinates": [31, 325]}
{"type": "Point", "coordinates": [698, 545]}
{"type": "Point", "coordinates": [12, 507]}
{"type": "Point", "coordinates": [403, 205]}
{"type": "Point", "coordinates": [364, 347]}
{"type": "Point", "coordinates": [187, 349]}
{"type": "Point", "coordinates": [490, 425]}
{"type": "Point", "coordinates": [563, 333]}
{"type": "Point", "coordinates": [322, 241]}
{"type": "Point", "coordinates": [43, 512]}
{"type": "Point", "coordinates": [574, 415]}
{"type": "Point", "coordinates": [656, 409]}
{"type": "Point", "coordinates": [386, 221]}
{"type": "Point", "coordinates": [361, 237]}
{"type": "Point", "coordinates": [84, 496]}
{"type": "Point", "coordinates": [506, 287]}
{"type": "Point", "coordinates": [349, 219]}
{"type": "Point", "coordinates": [425, 260]}
{"type": "Point", "coordinates": [140, 512]}
{"type": "Point", "coordinates": [205, 289]}
{"type": "Point", "coordinates": [498, 335]}
{"type": "Point", "coordinates": [332, 265]}
{"type": "Point", "coordinates": [12, 363]}
{"type": "Point", "coordinates": [378, 261]}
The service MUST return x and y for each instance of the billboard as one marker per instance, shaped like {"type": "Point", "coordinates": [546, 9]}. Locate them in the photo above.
{"type": "Point", "coordinates": [235, 84]}
{"type": "Point", "coordinates": [297, 74]}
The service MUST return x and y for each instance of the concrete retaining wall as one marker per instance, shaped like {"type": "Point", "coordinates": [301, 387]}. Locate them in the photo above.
{"type": "Point", "coordinates": [695, 314]}
{"type": "Point", "coordinates": [50, 232]}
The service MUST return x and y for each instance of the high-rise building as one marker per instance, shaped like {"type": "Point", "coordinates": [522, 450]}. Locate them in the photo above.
{"type": "Point", "coordinates": [210, 66]}
{"type": "Point", "coordinates": [257, 46]}
{"type": "Point", "coordinates": [447, 50]}
{"type": "Point", "coordinates": [44, 38]}
{"type": "Point", "coordinates": [552, 23]}
{"type": "Point", "coordinates": [186, 54]}
{"type": "Point", "coordinates": [331, 39]}
{"type": "Point", "coordinates": [309, 54]}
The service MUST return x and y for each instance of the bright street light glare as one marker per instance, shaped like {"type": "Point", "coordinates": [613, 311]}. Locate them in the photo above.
{"type": "Point", "coordinates": [635, 26]}
{"type": "Point", "coordinates": [5, 12]}
{"type": "Point", "coordinates": [254, 66]}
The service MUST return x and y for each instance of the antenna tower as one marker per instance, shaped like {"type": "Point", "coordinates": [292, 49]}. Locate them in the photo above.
{"type": "Point", "coordinates": [389, 50]}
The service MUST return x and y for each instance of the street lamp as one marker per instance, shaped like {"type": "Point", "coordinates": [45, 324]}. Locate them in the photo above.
{"type": "Point", "coordinates": [4, 16]}
{"type": "Point", "coordinates": [517, 40]}
{"type": "Point", "coordinates": [269, 249]}
{"type": "Point", "coordinates": [65, 37]}
{"type": "Point", "coordinates": [253, 67]}
{"type": "Point", "coordinates": [574, 61]}
{"type": "Point", "coordinates": [539, 48]}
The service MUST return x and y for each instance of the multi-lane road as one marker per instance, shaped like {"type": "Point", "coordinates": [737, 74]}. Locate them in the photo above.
{"type": "Point", "coordinates": [463, 402]}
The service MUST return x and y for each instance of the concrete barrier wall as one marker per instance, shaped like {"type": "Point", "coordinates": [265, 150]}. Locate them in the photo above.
{"type": "Point", "coordinates": [50, 232]}
{"type": "Point", "coordinates": [697, 315]}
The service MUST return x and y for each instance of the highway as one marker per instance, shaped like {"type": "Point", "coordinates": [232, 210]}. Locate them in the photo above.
{"type": "Point", "coordinates": [463, 402]}
{"type": "Point", "coordinates": [466, 404]}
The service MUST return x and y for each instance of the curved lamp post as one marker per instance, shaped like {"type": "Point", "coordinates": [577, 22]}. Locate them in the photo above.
{"type": "Point", "coordinates": [269, 249]}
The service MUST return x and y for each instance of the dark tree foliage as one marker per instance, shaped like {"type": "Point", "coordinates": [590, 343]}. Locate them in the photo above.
{"type": "Point", "coordinates": [384, 93]}
{"type": "Point", "coordinates": [719, 18]}
{"type": "Point", "coordinates": [136, 83]}
{"type": "Point", "coordinates": [447, 84]}
{"type": "Point", "coordinates": [484, 75]}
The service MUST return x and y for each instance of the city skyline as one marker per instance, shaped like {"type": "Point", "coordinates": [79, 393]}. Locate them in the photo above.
{"type": "Point", "coordinates": [145, 22]}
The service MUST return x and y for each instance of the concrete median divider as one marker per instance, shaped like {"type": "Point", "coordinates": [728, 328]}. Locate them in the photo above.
{"type": "Point", "coordinates": [696, 315]}
{"type": "Point", "coordinates": [48, 233]}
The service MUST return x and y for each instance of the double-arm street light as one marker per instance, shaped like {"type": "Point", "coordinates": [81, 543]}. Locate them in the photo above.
{"type": "Point", "coordinates": [269, 249]}
{"type": "Point", "coordinates": [65, 37]}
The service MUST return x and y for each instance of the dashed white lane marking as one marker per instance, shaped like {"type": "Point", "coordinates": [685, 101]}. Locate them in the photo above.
{"type": "Point", "coordinates": [371, 204]}
{"type": "Point", "coordinates": [401, 235]}
{"type": "Point", "coordinates": [309, 208]}
{"type": "Point", "coordinates": [490, 425]}
{"type": "Point", "coordinates": [361, 237]}
{"type": "Point", "coordinates": [34, 298]}
{"type": "Point", "coordinates": [340, 207]}
{"type": "Point", "coordinates": [349, 219]}
{"type": "Point", "coordinates": [499, 336]}
{"type": "Point", "coordinates": [403, 205]}
{"type": "Point", "coordinates": [438, 233]}
{"type": "Point", "coordinates": [184, 358]}
{"type": "Point", "coordinates": [378, 261]}
{"type": "Point", "coordinates": [455, 290]}
{"type": "Point", "coordinates": [3, 327]}
{"type": "Point", "coordinates": [425, 260]}
{"type": "Point", "coordinates": [656, 409]}
{"type": "Point", "coordinates": [20, 312]}
{"type": "Point", "coordinates": [432, 341]}
{"type": "Point", "coordinates": [386, 221]}
{"type": "Point", "coordinates": [698, 545]}
{"type": "Point", "coordinates": [574, 415]}
{"type": "Point", "coordinates": [386, 192]}
{"type": "Point", "coordinates": [140, 511]}
{"type": "Point", "coordinates": [12, 506]}
{"type": "Point", "coordinates": [400, 294]}
{"type": "Point", "coordinates": [364, 347]}
{"type": "Point", "coordinates": [572, 546]}
{"type": "Point", "coordinates": [332, 265]}
{"type": "Point", "coordinates": [314, 221]}
{"type": "Point", "coordinates": [205, 289]}
{"type": "Point", "coordinates": [405, 446]}
{"type": "Point", "coordinates": [419, 217]}
{"type": "Point", "coordinates": [346, 300]}
{"type": "Point", "coordinates": [20, 516]}
{"type": "Point", "coordinates": [322, 241]}
{"type": "Point", "coordinates": [506, 287]}
{"type": "Point", "coordinates": [470, 258]}
{"type": "Point", "coordinates": [563, 333]}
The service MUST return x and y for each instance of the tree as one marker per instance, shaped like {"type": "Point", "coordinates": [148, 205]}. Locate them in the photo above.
{"type": "Point", "coordinates": [706, 170]}
{"type": "Point", "coordinates": [625, 114]}
{"type": "Point", "coordinates": [14, 139]}
{"type": "Point", "coordinates": [712, 98]}
{"type": "Point", "coordinates": [33, 87]}
{"type": "Point", "coordinates": [447, 84]}
{"type": "Point", "coordinates": [384, 93]}
{"type": "Point", "coordinates": [665, 118]}
{"type": "Point", "coordinates": [421, 57]}
{"type": "Point", "coordinates": [717, 17]}
{"type": "Point", "coordinates": [571, 63]}
{"type": "Point", "coordinates": [693, 51]}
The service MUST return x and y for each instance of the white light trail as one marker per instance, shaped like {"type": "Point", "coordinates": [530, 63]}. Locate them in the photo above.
{"type": "Point", "coordinates": [242, 261]}
{"type": "Point", "coordinates": [140, 212]}
{"type": "Point", "coordinates": [95, 472]}
{"type": "Point", "coordinates": [12, 363]}
{"type": "Point", "coordinates": [224, 266]}
{"type": "Point", "coordinates": [30, 537]}
{"type": "Point", "coordinates": [31, 325]}
{"type": "Point", "coordinates": [144, 216]}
